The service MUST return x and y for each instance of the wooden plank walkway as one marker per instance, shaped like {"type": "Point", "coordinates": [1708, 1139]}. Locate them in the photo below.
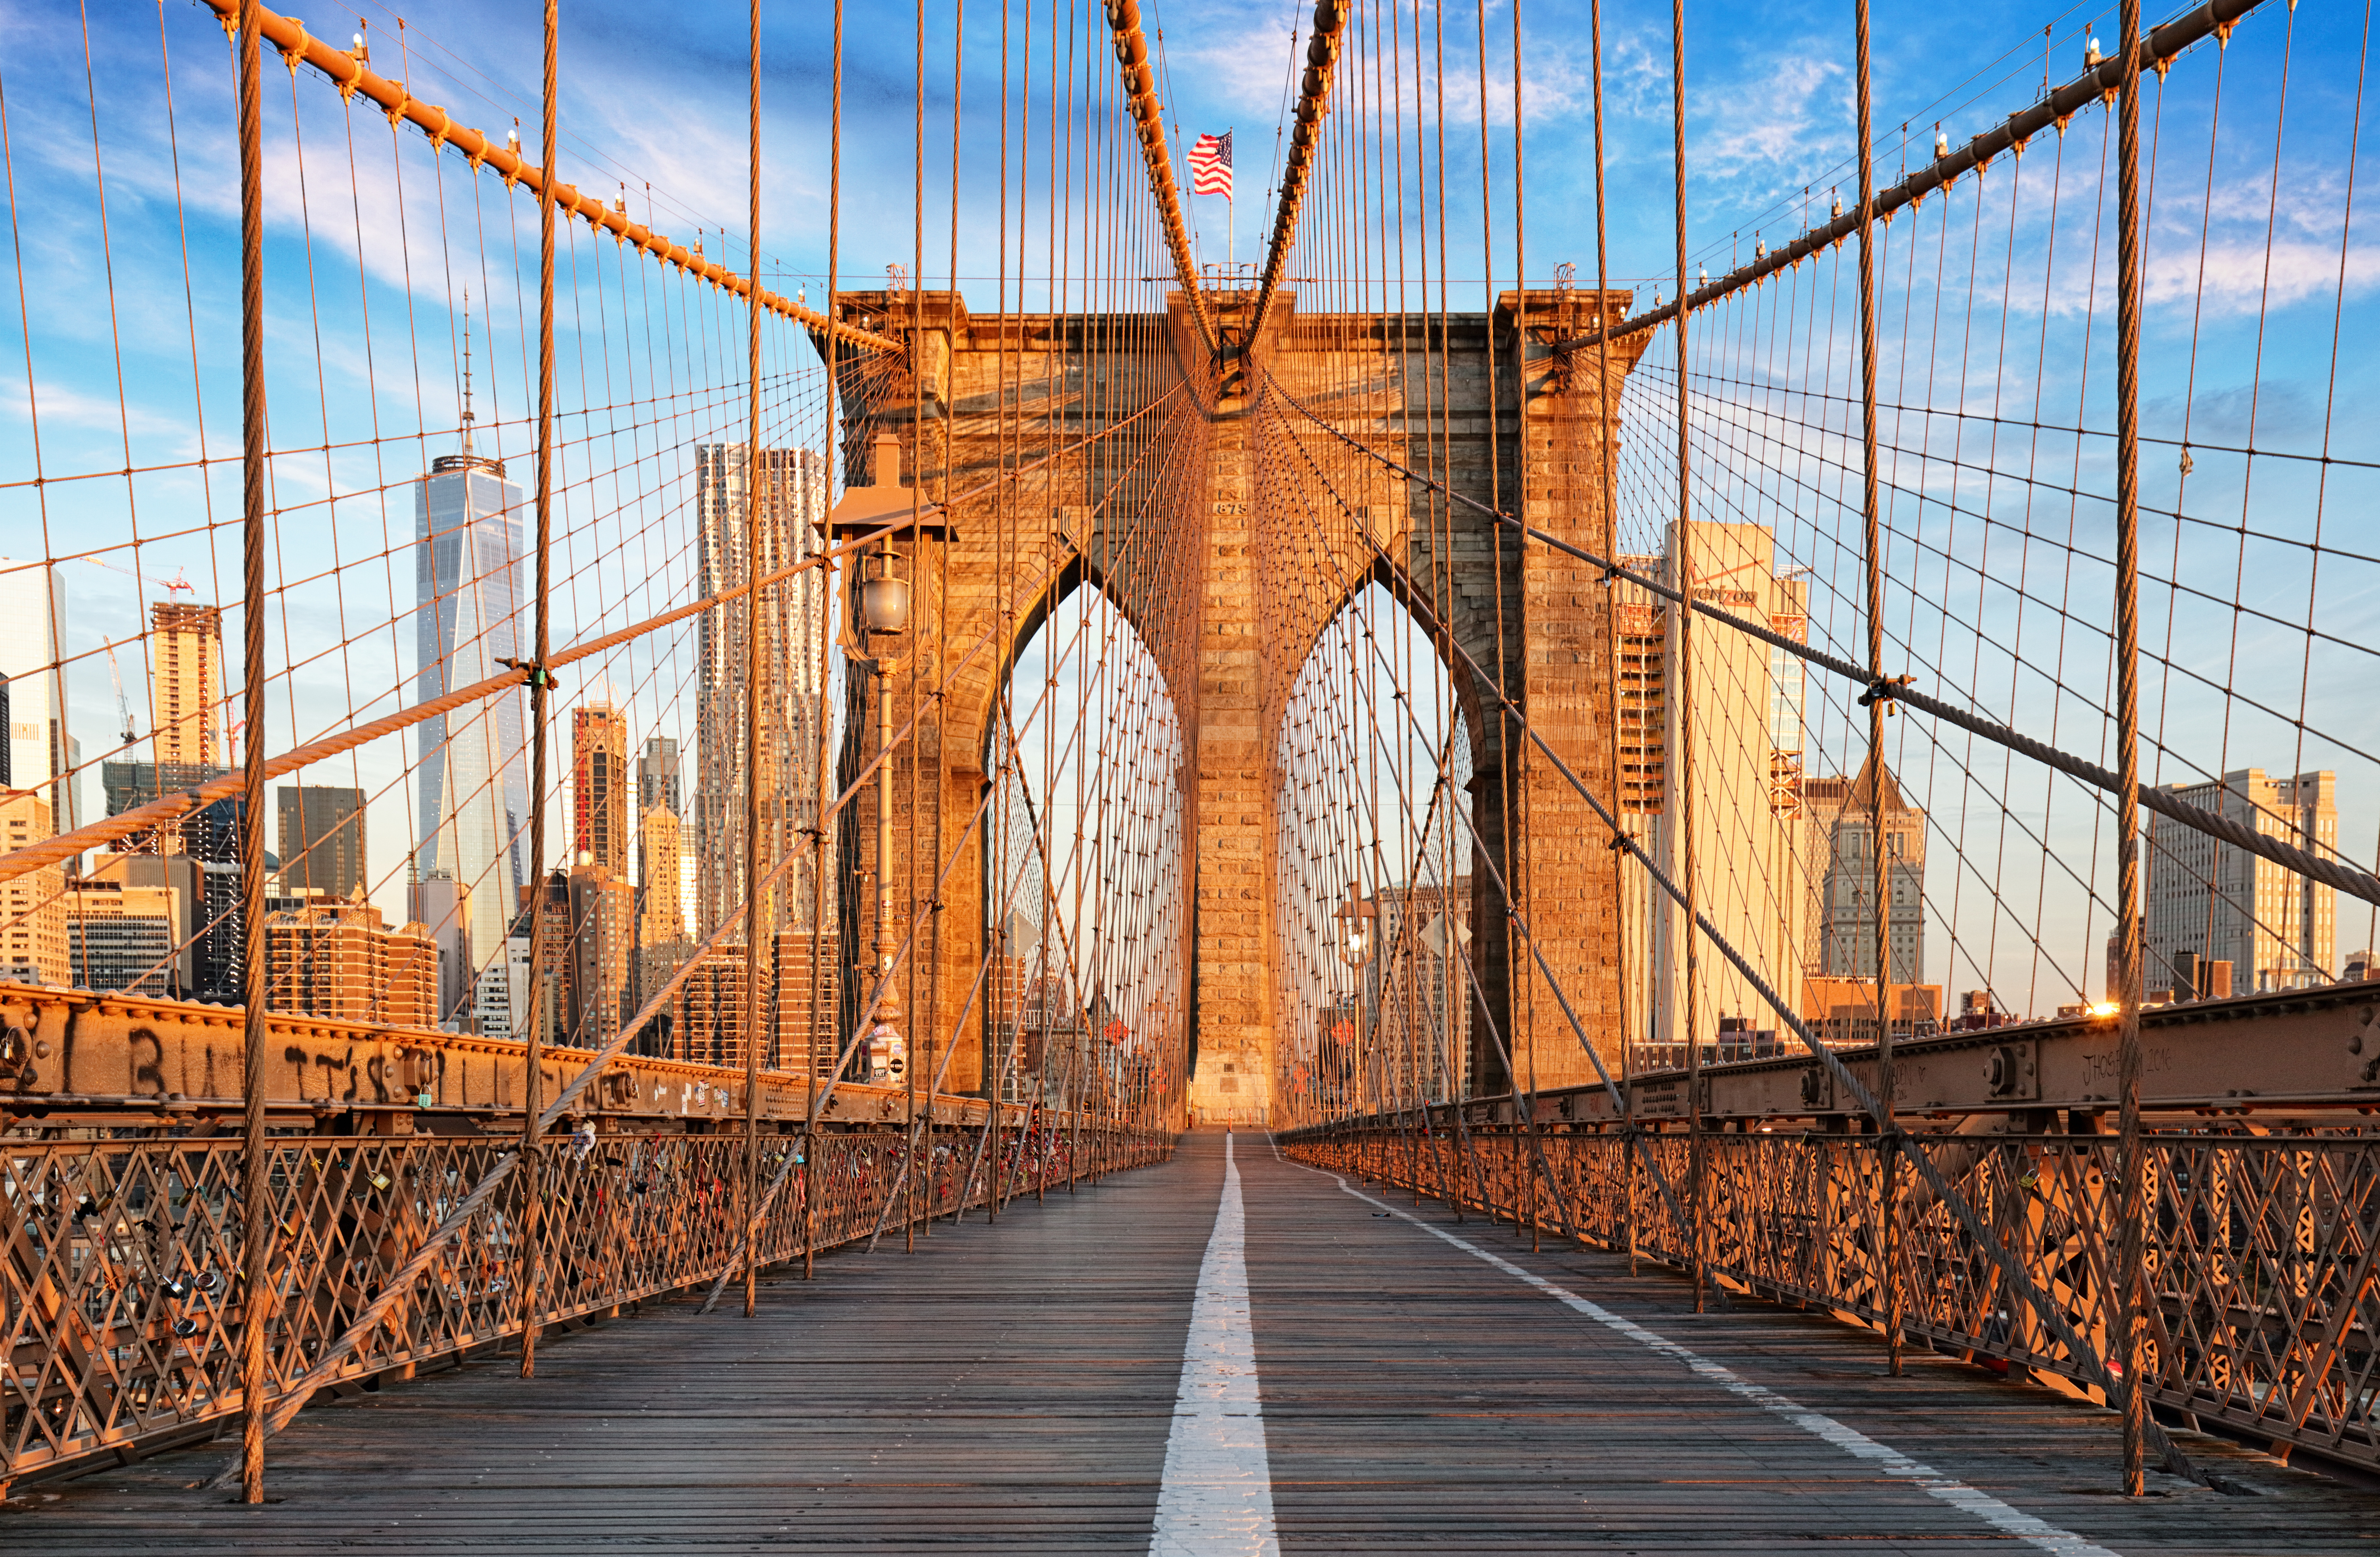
{"type": "Point", "coordinates": [1012, 1389]}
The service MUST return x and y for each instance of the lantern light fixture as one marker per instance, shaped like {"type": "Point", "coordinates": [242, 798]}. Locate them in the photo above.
{"type": "Point", "coordinates": [884, 600]}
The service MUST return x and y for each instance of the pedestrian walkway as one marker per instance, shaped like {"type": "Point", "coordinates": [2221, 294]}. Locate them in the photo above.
{"type": "Point", "coordinates": [1332, 1369]}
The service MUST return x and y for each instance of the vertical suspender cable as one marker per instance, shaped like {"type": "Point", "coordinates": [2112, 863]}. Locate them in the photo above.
{"type": "Point", "coordinates": [2130, 1208]}
{"type": "Point", "coordinates": [1682, 769]}
{"type": "Point", "coordinates": [1603, 445]}
{"type": "Point", "coordinates": [1871, 550]}
{"type": "Point", "coordinates": [753, 620]}
{"type": "Point", "coordinates": [256, 1224]}
{"type": "Point", "coordinates": [1526, 879]}
{"type": "Point", "coordinates": [921, 1221]}
{"type": "Point", "coordinates": [539, 682]}
{"type": "Point", "coordinates": [917, 503]}
{"type": "Point", "coordinates": [825, 782]}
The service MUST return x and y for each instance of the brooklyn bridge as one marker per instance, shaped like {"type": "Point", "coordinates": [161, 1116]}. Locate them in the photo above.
{"type": "Point", "coordinates": [1653, 841]}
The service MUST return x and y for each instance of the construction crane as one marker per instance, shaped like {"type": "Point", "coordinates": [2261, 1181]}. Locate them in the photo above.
{"type": "Point", "coordinates": [123, 704]}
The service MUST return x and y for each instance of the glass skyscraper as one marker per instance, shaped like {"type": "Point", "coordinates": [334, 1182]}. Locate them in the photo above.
{"type": "Point", "coordinates": [792, 498]}
{"type": "Point", "coordinates": [473, 765]}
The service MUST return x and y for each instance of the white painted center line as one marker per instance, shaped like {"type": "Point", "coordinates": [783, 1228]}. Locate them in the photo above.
{"type": "Point", "coordinates": [1891, 1461]}
{"type": "Point", "coordinates": [1217, 1499]}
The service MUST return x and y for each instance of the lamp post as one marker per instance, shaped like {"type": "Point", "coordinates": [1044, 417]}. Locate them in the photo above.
{"type": "Point", "coordinates": [883, 612]}
{"type": "Point", "coordinates": [1356, 916]}
{"type": "Point", "coordinates": [880, 603]}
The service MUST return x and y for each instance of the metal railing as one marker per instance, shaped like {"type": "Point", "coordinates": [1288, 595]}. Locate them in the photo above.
{"type": "Point", "coordinates": [2261, 1249]}
{"type": "Point", "coordinates": [120, 1302]}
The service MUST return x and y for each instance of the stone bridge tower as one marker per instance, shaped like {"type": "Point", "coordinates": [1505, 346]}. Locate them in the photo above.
{"type": "Point", "coordinates": [1171, 514]}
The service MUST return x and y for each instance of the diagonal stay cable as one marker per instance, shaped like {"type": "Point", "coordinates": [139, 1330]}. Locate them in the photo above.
{"type": "Point", "coordinates": [155, 813]}
{"type": "Point", "coordinates": [2091, 1363]}
{"type": "Point", "coordinates": [2329, 872]}
{"type": "Point", "coordinates": [2093, 1366]}
{"type": "Point", "coordinates": [400, 1283]}
{"type": "Point", "coordinates": [2155, 52]}
{"type": "Point", "coordinates": [1486, 856]}
{"type": "Point", "coordinates": [785, 1169]}
{"type": "Point", "coordinates": [351, 76]}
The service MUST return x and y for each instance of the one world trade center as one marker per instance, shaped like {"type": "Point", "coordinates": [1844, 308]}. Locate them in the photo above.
{"type": "Point", "coordinates": [474, 772]}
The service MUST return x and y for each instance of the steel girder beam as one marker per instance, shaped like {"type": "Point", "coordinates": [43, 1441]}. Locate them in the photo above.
{"type": "Point", "coordinates": [2312, 1051]}
{"type": "Point", "coordinates": [72, 1057]}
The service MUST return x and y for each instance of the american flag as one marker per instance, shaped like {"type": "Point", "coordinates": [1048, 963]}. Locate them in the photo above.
{"type": "Point", "coordinates": [1210, 166]}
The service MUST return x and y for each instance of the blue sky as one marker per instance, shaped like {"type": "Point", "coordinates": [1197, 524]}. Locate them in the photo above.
{"type": "Point", "coordinates": [653, 107]}
{"type": "Point", "coordinates": [657, 95]}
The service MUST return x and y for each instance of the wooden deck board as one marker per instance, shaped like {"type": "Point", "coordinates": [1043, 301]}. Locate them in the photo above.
{"type": "Point", "coordinates": [1010, 1390]}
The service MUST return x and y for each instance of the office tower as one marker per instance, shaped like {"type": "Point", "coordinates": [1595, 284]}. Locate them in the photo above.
{"type": "Point", "coordinates": [341, 962]}
{"type": "Point", "coordinates": [323, 841]}
{"type": "Point", "coordinates": [211, 841]}
{"type": "Point", "coordinates": [549, 960]}
{"type": "Point", "coordinates": [179, 878]}
{"type": "Point", "coordinates": [1842, 1010]}
{"type": "Point", "coordinates": [1417, 996]}
{"type": "Point", "coordinates": [123, 937]}
{"type": "Point", "coordinates": [706, 1015]}
{"type": "Point", "coordinates": [473, 768]}
{"type": "Point", "coordinates": [660, 867]}
{"type": "Point", "coordinates": [602, 932]}
{"type": "Point", "coordinates": [1839, 865]}
{"type": "Point", "coordinates": [793, 495]}
{"type": "Point", "coordinates": [599, 803]}
{"type": "Point", "coordinates": [125, 786]}
{"type": "Point", "coordinates": [808, 1003]}
{"type": "Point", "coordinates": [185, 688]}
{"type": "Point", "coordinates": [665, 871]}
{"type": "Point", "coordinates": [441, 906]}
{"type": "Point", "coordinates": [32, 906]}
{"type": "Point", "coordinates": [657, 775]}
{"type": "Point", "coordinates": [1643, 677]}
{"type": "Point", "coordinates": [1742, 735]}
{"type": "Point", "coordinates": [491, 1006]}
{"type": "Point", "coordinates": [651, 970]}
{"type": "Point", "coordinates": [32, 637]}
{"type": "Point", "coordinates": [500, 1005]}
{"type": "Point", "coordinates": [2215, 901]}
{"type": "Point", "coordinates": [1639, 765]}
{"type": "Point", "coordinates": [208, 958]}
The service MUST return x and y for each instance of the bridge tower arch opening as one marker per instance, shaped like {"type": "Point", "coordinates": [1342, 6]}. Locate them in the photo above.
{"type": "Point", "coordinates": [1376, 866]}
{"type": "Point", "coordinates": [1085, 893]}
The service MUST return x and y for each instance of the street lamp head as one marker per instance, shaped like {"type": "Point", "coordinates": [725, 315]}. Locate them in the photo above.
{"type": "Point", "coordinates": [884, 600]}
{"type": "Point", "coordinates": [1354, 916]}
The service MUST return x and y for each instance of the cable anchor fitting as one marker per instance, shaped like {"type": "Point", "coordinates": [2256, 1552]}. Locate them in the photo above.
{"type": "Point", "coordinates": [1884, 689]}
{"type": "Point", "coordinates": [532, 673]}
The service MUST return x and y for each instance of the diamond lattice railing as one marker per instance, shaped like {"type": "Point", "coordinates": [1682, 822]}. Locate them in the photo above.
{"type": "Point", "coordinates": [123, 1305]}
{"type": "Point", "coordinates": [2261, 1250]}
